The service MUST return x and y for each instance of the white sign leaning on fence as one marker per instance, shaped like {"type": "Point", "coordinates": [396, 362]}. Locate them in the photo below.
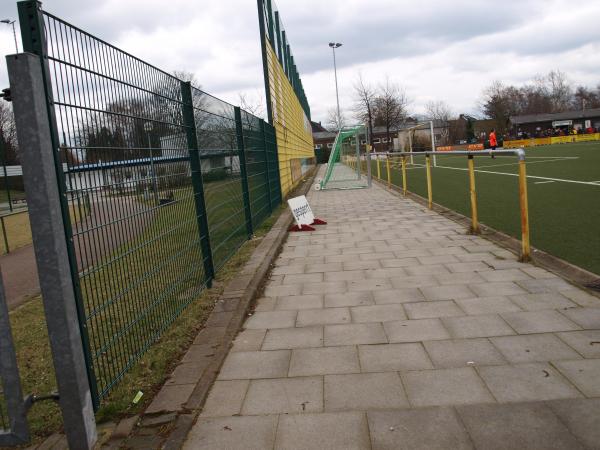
{"type": "Point", "coordinates": [301, 210]}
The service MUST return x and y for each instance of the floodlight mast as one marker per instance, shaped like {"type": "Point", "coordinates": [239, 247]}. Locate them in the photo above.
{"type": "Point", "coordinates": [12, 22]}
{"type": "Point", "coordinates": [333, 46]}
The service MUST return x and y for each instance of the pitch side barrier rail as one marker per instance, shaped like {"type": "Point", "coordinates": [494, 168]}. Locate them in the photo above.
{"type": "Point", "coordinates": [475, 228]}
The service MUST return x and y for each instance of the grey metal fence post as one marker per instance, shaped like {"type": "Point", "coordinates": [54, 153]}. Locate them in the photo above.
{"type": "Point", "coordinates": [52, 256]}
{"type": "Point", "coordinates": [244, 172]}
{"type": "Point", "coordinates": [16, 405]}
{"type": "Point", "coordinates": [196, 169]}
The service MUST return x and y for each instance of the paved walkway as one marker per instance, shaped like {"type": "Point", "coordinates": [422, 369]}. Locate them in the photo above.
{"type": "Point", "coordinates": [390, 328]}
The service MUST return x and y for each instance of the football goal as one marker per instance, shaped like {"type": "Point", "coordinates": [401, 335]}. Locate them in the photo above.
{"type": "Point", "coordinates": [346, 162]}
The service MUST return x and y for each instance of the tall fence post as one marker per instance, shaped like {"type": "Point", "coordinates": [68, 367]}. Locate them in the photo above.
{"type": "Point", "coordinates": [243, 172]}
{"type": "Point", "coordinates": [197, 184]}
{"type": "Point", "coordinates": [473, 192]}
{"type": "Point", "coordinates": [388, 171]}
{"type": "Point", "coordinates": [524, 203]}
{"type": "Point", "coordinates": [65, 330]}
{"type": "Point", "coordinates": [404, 180]}
{"type": "Point", "coordinates": [429, 189]}
{"type": "Point", "coordinates": [266, 147]}
{"type": "Point", "coordinates": [16, 405]}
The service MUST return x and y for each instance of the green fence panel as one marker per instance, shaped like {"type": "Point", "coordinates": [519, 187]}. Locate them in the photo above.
{"type": "Point", "coordinates": [274, 184]}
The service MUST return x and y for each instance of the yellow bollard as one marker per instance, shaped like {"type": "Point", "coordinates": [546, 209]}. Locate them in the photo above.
{"type": "Point", "coordinates": [404, 190]}
{"type": "Point", "coordinates": [387, 166]}
{"type": "Point", "coordinates": [474, 219]}
{"type": "Point", "coordinates": [525, 249]}
{"type": "Point", "coordinates": [429, 193]}
{"type": "Point", "coordinates": [378, 169]}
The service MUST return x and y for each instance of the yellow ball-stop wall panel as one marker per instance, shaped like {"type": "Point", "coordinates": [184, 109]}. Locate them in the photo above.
{"type": "Point", "coordinates": [292, 127]}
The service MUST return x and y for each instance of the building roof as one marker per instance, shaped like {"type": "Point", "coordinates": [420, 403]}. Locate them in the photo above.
{"type": "Point", "coordinates": [567, 115]}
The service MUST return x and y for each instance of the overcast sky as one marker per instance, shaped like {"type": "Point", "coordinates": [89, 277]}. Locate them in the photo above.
{"type": "Point", "coordinates": [437, 50]}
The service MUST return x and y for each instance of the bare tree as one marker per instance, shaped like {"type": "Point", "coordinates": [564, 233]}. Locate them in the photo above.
{"type": "Point", "coordinates": [498, 103]}
{"type": "Point", "coordinates": [335, 123]}
{"type": "Point", "coordinates": [560, 90]}
{"type": "Point", "coordinates": [254, 105]}
{"type": "Point", "coordinates": [364, 102]}
{"type": "Point", "coordinates": [184, 75]}
{"type": "Point", "coordinates": [438, 110]}
{"type": "Point", "coordinates": [8, 133]}
{"type": "Point", "coordinates": [390, 107]}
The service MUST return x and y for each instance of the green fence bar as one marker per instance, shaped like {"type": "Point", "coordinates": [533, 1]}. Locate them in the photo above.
{"type": "Point", "coordinates": [196, 170]}
{"type": "Point", "coordinates": [243, 169]}
{"type": "Point", "coordinates": [267, 176]}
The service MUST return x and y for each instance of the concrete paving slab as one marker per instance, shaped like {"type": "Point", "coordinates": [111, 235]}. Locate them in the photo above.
{"type": "Point", "coordinates": [497, 288]}
{"type": "Point", "coordinates": [459, 278]}
{"type": "Point", "coordinates": [477, 326]}
{"type": "Point", "coordinates": [582, 298]}
{"type": "Point", "coordinates": [312, 301]}
{"type": "Point", "coordinates": [284, 396]}
{"type": "Point", "coordinates": [447, 292]}
{"type": "Point", "coordinates": [354, 334]}
{"type": "Point", "coordinates": [290, 338]}
{"type": "Point", "coordinates": [587, 318]}
{"type": "Point", "coordinates": [263, 320]}
{"type": "Point", "coordinates": [265, 304]}
{"type": "Point", "coordinates": [398, 296]}
{"type": "Point", "coordinates": [581, 418]}
{"type": "Point", "coordinates": [546, 321]}
{"type": "Point", "coordinates": [311, 317]}
{"type": "Point", "coordinates": [587, 343]}
{"type": "Point", "coordinates": [335, 431]}
{"type": "Point", "coordinates": [225, 398]}
{"type": "Point", "coordinates": [326, 287]}
{"type": "Point", "coordinates": [505, 275]}
{"type": "Point", "coordinates": [233, 433]}
{"type": "Point", "coordinates": [377, 313]}
{"type": "Point", "coordinates": [428, 310]}
{"type": "Point", "coordinates": [248, 365]}
{"type": "Point", "coordinates": [436, 428]}
{"type": "Point", "coordinates": [414, 281]}
{"type": "Point", "coordinates": [545, 285]}
{"type": "Point", "coordinates": [322, 361]}
{"type": "Point", "coordinates": [415, 330]}
{"type": "Point", "coordinates": [445, 387]}
{"type": "Point", "coordinates": [523, 426]}
{"type": "Point", "coordinates": [487, 305]}
{"type": "Point", "coordinates": [300, 278]}
{"type": "Point", "coordinates": [368, 391]}
{"type": "Point", "coordinates": [248, 341]}
{"type": "Point", "coordinates": [348, 299]}
{"type": "Point", "coordinates": [527, 382]}
{"type": "Point", "coordinates": [348, 275]}
{"type": "Point", "coordinates": [583, 373]}
{"type": "Point", "coordinates": [463, 353]}
{"type": "Point", "coordinates": [536, 302]}
{"type": "Point", "coordinates": [393, 357]}
{"type": "Point", "coordinates": [533, 348]}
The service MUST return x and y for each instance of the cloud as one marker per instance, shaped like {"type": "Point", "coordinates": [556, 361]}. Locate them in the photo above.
{"type": "Point", "coordinates": [438, 50]}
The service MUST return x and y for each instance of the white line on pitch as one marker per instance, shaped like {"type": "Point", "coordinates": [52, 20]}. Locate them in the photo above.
{"type": "Point", "coordinates": [589, 183]}
{"type": "Point", "coordinates": [544, 182]}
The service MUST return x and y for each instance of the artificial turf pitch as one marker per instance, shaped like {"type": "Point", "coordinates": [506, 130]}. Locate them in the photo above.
{"type": "Point", "coordinates": [563, 183]}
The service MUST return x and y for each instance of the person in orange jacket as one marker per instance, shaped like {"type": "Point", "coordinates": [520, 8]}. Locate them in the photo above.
{"type": "Point", "coordinates": [493, 140]}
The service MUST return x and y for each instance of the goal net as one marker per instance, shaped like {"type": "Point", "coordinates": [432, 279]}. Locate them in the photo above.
{"type": "Point", "coordinates": [346, 162]}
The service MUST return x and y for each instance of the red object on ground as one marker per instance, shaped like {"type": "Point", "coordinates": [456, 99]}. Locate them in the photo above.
{"type": "Point", "coordinates": [307, 227]}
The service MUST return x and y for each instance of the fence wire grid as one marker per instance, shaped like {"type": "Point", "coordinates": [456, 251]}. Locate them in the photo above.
{"type": "Point", "coordinates": [159, 190]}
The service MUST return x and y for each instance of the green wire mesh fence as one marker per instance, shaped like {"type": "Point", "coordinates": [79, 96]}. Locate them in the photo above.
{"type": "Point", "coordinates": [161, 184]}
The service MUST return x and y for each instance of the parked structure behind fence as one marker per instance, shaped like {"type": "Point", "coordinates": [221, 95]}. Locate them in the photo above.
{"type": "Point", "coordinates": [171, 180]}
